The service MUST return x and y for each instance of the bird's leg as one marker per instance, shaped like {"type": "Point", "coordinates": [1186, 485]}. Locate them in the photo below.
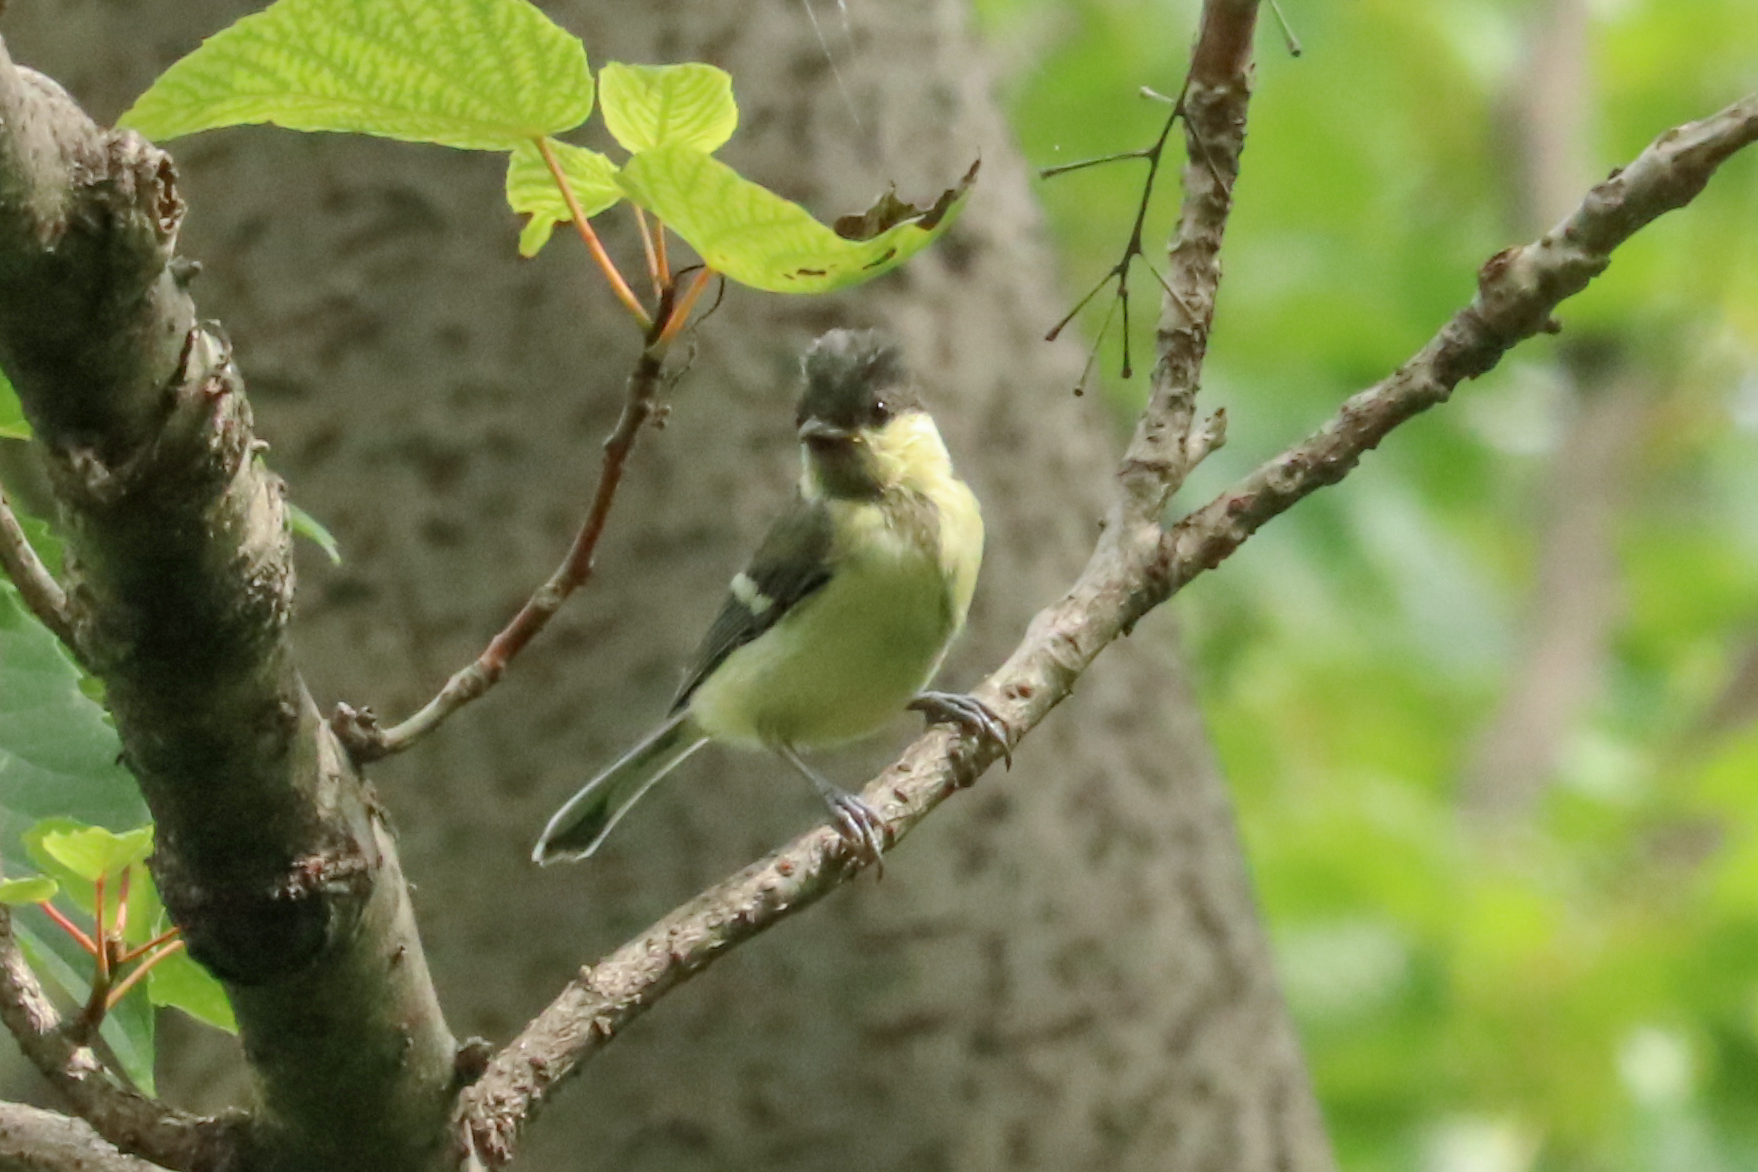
{"type": "Point", "coordinates": [969, 713]}
{"type": "Point", "coordinates": [859, 823]}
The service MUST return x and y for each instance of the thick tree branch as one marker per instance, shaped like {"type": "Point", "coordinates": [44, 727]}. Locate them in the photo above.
{"type": "Point", "coordinates": [271, 853]}
{"type": "Point", "coordinates": [131, 1121]}
{"type": "Point", "coordinates": [1062, 641]}
{"type": "Point", "coordinates": [34, 1140]}
{"type": "Point", "coordinates": [1519, 289]}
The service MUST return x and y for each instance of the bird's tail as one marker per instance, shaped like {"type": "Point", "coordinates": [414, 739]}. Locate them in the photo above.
{"type": "Point", "coordinates": [578, 827]}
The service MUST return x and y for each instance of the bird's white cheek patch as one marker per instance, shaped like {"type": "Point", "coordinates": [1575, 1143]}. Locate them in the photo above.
{"type": "Point", "coordinates": [754, 600]}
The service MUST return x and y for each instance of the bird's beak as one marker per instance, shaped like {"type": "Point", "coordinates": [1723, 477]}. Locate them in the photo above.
{"type": "Point", "coordinates": [815, 433]}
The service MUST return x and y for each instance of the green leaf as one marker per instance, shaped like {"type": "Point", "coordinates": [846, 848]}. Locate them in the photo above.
{"type": "Point", "coordinates": [146, 914]}
{"type": "Point", "coordinates": [483, 74]}
{"type": "Point", "coordinates": [309, 527]}
{"type": "Point", "coordinates": [93, 853]}
{"type": "Point", "coordinates": [12, 424]}
{"type": "Point", "coordinates": [15, 892]}
{"type": "Point", "coordinates": [759, 239]}
{"type": "Point", "coordinates": [127, 1029]}
{"type": "Point", "coordinates": [58, 752]}
{"type": "Point", "coordinates": [531, 189]}
{"type": "Point", "coordinates": [74, 886]}
{"type": "Point", "coordinates": [651, 106]}
{"type": "Point", "coordinates": [179, 982]}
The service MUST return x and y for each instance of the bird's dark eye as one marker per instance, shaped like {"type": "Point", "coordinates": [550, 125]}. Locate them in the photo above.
{"type": "Point", "coordinates": [881, 411]}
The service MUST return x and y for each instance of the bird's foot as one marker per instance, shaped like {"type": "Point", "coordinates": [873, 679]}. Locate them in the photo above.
{"type": "Point", "coordinates": [969, 713]}
{"type": "Point", "coordinates": [860, 826]}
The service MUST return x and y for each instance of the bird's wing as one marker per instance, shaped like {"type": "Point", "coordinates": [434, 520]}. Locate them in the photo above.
{"type": "Point", "coordinates": [791, 564]}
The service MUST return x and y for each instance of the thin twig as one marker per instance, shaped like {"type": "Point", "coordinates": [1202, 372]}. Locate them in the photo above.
{"type": "Point", "coordinates": [1288, 37]}
{"type": "Point", "coordinates": [1136, 566]}
{"type": "Point", "coordinates": [1055, 331]}
{"type": "Point", "coordinates": [1101, 160]}
{"type": "Point", "coordinates": [680, 312]}
{"type": "Point", "coordinates": [98, 932]}
{"type": "Point", "coordinates": [358, 730]}
{"type": "Point", "coordinates": [71, 928]}
{"type": "Point", "coordinates": [1086, 371]}
{"type": "Point", "coordinates": [165, 937]}
{"type": "Point", "coordinates": [583, 226]}
{"type": "Point", "coordinates": [97, 1000]}
{"type": "Point", "coordinates": [121, 924]}
{"type": "Point", "coordinates": [140, 971]}
{"type": "Point", "coordinates": [647, 247]}
{"type": "Point", "coordinates": [1172, 293]}
{"type": "Point", "coordinates": [36, 585]}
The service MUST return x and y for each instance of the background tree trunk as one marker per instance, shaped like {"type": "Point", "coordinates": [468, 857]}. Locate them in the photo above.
{"type": "Point", "coordinates": [1575, 602]}
{"type": "Point", "coordinates": [1064, 970]}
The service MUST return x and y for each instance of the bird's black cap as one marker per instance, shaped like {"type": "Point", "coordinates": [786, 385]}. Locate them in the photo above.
{"type": "Point", "coordinates": [855, 379]}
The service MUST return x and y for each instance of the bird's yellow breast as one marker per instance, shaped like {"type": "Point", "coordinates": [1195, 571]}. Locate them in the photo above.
{"type": "Point", "coordinates": [848, 658]}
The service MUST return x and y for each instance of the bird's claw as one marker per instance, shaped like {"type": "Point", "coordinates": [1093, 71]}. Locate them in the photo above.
{"type": "Point", "coordinates": [971, 714]}
{"type": "Point", "coordinates": [861, 827]}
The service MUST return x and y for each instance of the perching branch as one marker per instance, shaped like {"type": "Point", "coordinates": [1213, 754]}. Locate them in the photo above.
{"type": "Point", "coordinates": [1137, 566]}
{"type": "Point", "coordinates": [34, 1140]}
{"type": "Point", "coordinates": [36, 585]}
{"type": "Point", "coordinates": [131, 1121]}
{"type": "Point", "coordinates": [270, 853]}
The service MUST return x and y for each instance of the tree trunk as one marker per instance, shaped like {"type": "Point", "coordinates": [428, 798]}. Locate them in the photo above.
{"type": "Point", "coordinates": [1064, 970]}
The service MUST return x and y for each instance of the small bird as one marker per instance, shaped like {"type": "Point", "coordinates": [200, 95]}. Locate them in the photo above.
{"type": "Point", "coordinates": [843, 614]}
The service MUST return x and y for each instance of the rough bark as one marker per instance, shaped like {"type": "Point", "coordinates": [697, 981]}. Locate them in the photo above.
{"type": "Point", "coordinates": [34, 1140]}
{"type": "Point", "coordinates": [270, 854]}
{"type": "Point", "coordinates": [1064, 974]}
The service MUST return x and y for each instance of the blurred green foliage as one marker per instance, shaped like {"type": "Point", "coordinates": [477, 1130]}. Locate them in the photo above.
{"type": "Point", "coordinates": [1576, 989]}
